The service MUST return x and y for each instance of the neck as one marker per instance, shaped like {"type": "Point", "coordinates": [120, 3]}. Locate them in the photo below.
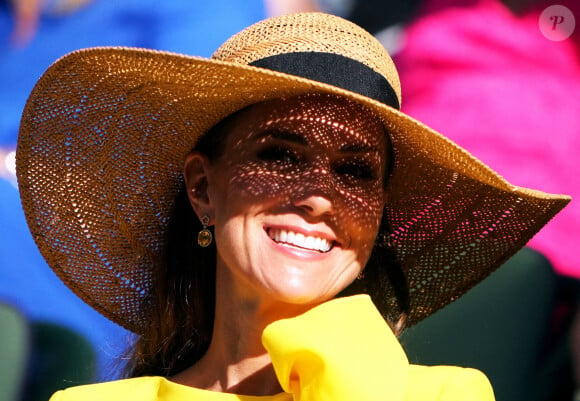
{"type": "Point", "coordinates": [236, 361]}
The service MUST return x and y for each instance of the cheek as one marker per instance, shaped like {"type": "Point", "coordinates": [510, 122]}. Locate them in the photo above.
{"type": "Point", "coordinates": [361, 220]}
{"type": "Point", "coordinates": [362, 231]}
{"type": "Point", "coordinates": [251, 181]}
{"type": "Point", "coordinates": [361, 209]}
{"type": "Point", "coordinates": [363, 204]}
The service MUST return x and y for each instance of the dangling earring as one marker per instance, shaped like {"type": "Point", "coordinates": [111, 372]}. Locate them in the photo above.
{"type": "Point", "coordinates": [204, 237]}
{"type": "Point", "coordinates": [361, 275]}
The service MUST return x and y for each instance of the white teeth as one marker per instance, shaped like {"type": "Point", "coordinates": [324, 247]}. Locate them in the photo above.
{"type": "Point", "coordinates": [317, 243]}
{"type": "Point", "coordinates": [300, 240]}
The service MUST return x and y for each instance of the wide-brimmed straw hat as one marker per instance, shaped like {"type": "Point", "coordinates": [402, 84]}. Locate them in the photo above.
{"type": "Point", "coordinates": [105, 132]}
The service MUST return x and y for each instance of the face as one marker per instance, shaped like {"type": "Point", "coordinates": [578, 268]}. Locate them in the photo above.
{"type": "Point", "coordinates": [297, 196]}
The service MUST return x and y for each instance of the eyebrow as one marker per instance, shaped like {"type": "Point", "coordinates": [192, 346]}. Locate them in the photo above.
{"type": "Point", "coordinates": [358, 148]}
{"type": "Point", "coordinates": [284, 135]}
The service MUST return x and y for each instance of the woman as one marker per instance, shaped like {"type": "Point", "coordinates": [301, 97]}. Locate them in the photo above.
{"type": "Point", "coordinates": [313, 182]}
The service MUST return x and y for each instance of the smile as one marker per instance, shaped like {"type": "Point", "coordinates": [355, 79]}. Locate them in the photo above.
{"type": "Point", "coordinates": [299, 240]}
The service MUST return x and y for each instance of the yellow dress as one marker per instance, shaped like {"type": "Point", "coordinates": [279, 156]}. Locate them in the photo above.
{"type": "Point", "coordinates": [341, 350]}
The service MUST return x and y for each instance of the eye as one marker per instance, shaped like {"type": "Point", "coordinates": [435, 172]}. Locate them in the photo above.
{"type": "Point", "coordinates": [356, 170]}
{"type": "Point", "coordinates": [279, 154]}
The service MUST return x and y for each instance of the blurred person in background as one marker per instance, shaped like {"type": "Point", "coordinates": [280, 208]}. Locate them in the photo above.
{"type": "Point", "coordinates": [528, 94]}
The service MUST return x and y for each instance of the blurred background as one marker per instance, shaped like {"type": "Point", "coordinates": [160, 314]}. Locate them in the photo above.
{"type": "Point", "coordinates": [501, 78]}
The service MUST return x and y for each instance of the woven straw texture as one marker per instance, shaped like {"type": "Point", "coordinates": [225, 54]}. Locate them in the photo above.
{"type": "Point", "coordinates": [105, 132]}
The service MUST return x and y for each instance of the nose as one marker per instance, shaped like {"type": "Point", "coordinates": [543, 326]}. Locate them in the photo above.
{"type": "Point", "coordinates": [315, 205]}
{"type": "Point", "coordinates": [315, 196]}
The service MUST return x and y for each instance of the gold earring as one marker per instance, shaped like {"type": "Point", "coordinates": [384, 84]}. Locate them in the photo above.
{"type": "Point", "coordinates": [204, 237]}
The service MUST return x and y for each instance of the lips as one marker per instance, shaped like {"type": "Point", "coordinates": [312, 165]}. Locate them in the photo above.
{"type": "Point", "coordinates": [288, 237]}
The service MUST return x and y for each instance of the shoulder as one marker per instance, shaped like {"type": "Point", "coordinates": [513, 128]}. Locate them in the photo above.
{"type": "Point", "coordinates": [141, 388]}
{"type": "Point", "coordinates": [448, 383]}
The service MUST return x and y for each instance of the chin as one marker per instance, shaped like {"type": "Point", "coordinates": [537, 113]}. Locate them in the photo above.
{"type": "Point", "coordinates": [303, 294]}
{"type": "Point", "coordinates": [303, 299]}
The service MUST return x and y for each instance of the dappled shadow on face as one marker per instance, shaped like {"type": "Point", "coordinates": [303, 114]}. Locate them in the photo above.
{"type": "Point", "coordinates": [317, 156]}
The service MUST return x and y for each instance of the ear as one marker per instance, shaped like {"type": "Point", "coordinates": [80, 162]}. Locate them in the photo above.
{"type": "Point", "coordinates": [195, 173]}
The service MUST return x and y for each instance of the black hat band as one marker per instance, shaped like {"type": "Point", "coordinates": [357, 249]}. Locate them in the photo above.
{"type": "Point", "coordinates": [336, 70]}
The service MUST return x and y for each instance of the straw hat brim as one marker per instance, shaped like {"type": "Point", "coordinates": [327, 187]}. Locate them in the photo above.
{"type": "Point", "coordinates": [102, 142]}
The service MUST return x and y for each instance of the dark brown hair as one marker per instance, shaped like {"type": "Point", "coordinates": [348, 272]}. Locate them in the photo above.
{"type": "Point", "coordinates": [183, 303]}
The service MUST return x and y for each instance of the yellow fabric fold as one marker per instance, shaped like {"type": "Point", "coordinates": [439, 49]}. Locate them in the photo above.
{"type": "Point", "coordinates": [340, 350]}
{"type": "Point", "coordinates": [343, 350]}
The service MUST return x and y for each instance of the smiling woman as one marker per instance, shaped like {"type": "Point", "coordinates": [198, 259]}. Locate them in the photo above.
{"type": "Point", "coordinates": [303, 186]}
{"type": "Point", "coordinates": [257, 218]}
